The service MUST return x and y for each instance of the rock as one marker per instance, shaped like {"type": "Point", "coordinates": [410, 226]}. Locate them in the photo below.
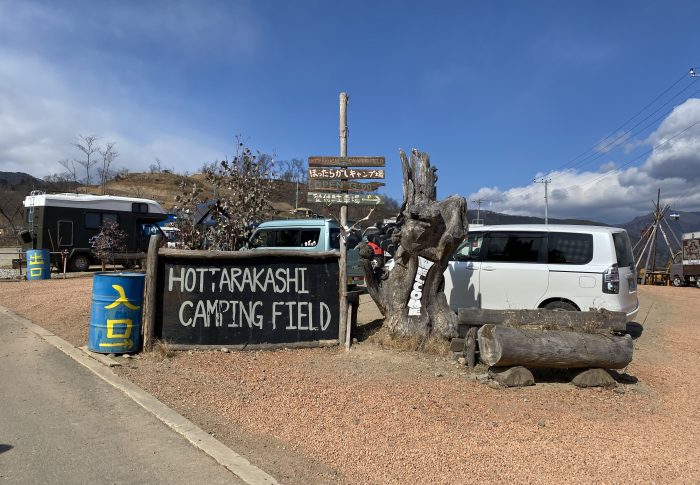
{"type": "Point", "coordinates": [438, 374]}
{"type": "Point", "coordinates": [127, 356]}
{"type": "Point", "coordinates": [457, 345]}
{"type": "Point", "coordinates": [594, 378]}
{"type": "Point", "coordinates": [493, 384]}
{"type": "Point", "coordinates": [517, 376]}
{"type": "Point", "coordinates": [462, 361]}
{"type": "Point", "coordinates": [225, 350]}
{"type": "Point", "coordinates": [482, 377]}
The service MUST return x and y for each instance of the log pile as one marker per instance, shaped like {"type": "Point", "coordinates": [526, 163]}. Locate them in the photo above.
{"type": "Point", "coordinates": [545, 339]}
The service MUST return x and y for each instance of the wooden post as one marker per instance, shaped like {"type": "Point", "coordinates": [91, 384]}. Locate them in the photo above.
{"type": "Point", "coordinates": [342, 270]}
{"type": "Point", "coordinates": [149, 299]}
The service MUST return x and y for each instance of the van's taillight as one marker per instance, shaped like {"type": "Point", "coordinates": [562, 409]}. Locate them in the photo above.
{"type": "Point", "coordinates": [611, 280]}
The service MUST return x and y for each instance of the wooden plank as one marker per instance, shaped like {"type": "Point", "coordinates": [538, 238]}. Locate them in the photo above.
{"type": "Point", "coordinates": [347, 199]}
{"type": "Point", "coordinates": [351, 185]}
{"type": "Point", "coordinates": [257, 253]}
{"type": "Point", "coordinates": [601, 321]}
{"type": "Point", "coordinates": [504, 346]}
{"type": "Point", "coordinates": [346, 161]}
{"type": "Point", "coordinates": [149, 299]}
{"type": "Point", "coordinates": [345, 173]}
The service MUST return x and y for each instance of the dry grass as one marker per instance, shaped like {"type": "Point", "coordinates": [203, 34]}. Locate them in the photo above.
{"type": "Point", "coordinates": [162, 351]}
{"type": "Point", "coordinates": [428, 345]}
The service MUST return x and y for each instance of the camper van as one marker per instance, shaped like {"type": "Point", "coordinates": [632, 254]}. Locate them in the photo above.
{"type": "Point", "coordinates": [68, 222]}
{"type": "Point", "coordinates": [557, 267]}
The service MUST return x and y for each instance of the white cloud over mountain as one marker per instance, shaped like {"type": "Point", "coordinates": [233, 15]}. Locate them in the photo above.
{"type": "Point", "coordinates": [615, 195]}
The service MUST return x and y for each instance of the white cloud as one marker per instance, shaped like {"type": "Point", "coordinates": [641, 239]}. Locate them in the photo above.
{"type": "Point", "coordinates": [42, 112]}
{"type": "Point", "coordinates": [616, 196]}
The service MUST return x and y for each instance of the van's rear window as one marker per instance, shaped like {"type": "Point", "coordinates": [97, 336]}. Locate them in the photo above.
{"type": "Point", "coordinates": [569, 248]}
{"type": "Point", "coordinates": [623, 249]}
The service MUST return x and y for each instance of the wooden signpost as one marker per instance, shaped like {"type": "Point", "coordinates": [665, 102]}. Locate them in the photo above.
{"type": "Point", "coordinates": [332, 178]}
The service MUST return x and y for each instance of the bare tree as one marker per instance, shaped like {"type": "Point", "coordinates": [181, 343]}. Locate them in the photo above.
{"type": "Point", "coordinates": [156, 167]}
{"type": "Point", "coordinates": [108, 155]}
{"type": "Point", "coordinates": [71, 170]}
{"type": "Point", "coordinates": [87, 145]}
{"type": "Point", "coordinates": [242, 189]}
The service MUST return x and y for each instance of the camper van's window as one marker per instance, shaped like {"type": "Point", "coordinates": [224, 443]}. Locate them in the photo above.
{"type": "Point", "coordinates": [514, 247]}
{"type": "Point", "coordinates": [109, 216]}
{"type": "Point", "coordinates": [569, 248]}
{"type": "Point", "coordinates": [93, 220]}
{"type": "Point", "coordinates": [139, 208]}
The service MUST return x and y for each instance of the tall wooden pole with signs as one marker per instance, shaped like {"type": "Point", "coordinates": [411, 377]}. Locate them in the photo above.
{"type": "Point", "coordinates": [332, 180]}
{"type": "Point", "coordinates": [343, 274]}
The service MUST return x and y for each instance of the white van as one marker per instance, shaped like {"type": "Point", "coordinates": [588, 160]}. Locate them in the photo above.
{"type": "Point", "coordinates": [557, 267]}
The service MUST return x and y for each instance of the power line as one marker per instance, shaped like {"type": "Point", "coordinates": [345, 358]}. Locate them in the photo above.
{"type": "Point", "coordinates": [592, 147]}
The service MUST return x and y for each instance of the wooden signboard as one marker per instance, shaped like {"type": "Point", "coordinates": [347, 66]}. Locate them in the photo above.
{"type": "Point", "coordinates": [346, 161]}
{"type": "Point", "coordinates": [248, 298]}
{"type": "Point", "coordinates": [345, 173]}
{"type": "Point", "coordinates": [348, 199]}
{"type": "Point", "coordinates": [338, 185]}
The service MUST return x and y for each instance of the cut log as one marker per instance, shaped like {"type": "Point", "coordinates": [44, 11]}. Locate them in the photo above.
{"type": "Point", "coordinates": [598, 321]}
{"type": "Point", "coordinates": [506, 346]}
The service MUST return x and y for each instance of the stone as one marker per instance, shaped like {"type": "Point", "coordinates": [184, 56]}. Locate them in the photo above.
{"type": "Point", "coordinates": [225, 350]}
{"type": "Point", "coordinates": [462, 361]}
{"type": "Point", "coordinates": [517, 376]}
{"type": "Point", "coordinates": [493, 384]}
{"type": "Point", "coordinates": [457, 345]}
{"type": "Point", "coordinates": [594, 378]}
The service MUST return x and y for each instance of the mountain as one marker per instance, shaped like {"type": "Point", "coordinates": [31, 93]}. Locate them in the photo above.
{"type": "Point", "coordinates": [493, 218]}
{"type": "Point", "coordinates": [13, 179]}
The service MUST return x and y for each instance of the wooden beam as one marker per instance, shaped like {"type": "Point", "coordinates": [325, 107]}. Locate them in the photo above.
{"type": "Point", "coordinates": [149, 299]}
{"type": "Point", "coordinates": [351, 185]}
{"type": "Point", "coordinates": [250, 254]}
{"type": "Point", "coordinates": [601, 321]}
{"type": "Point", "coordinates": [345, 173]}
{"type": "Point", "coordinates": [346, 161]}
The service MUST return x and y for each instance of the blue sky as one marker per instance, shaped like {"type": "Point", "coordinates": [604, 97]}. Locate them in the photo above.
{"type": "Point", "coordinates": [497, 92]}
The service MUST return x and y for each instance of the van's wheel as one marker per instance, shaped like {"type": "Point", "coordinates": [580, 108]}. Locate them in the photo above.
{"type": "Point", "coordinates": [561, 306]}
{"type": "Point", "coordinates": [79, 262]}
{"type": "Point", "coordinates": [677, 281]}
{"type": "Point", "coordinates": [697, 282]}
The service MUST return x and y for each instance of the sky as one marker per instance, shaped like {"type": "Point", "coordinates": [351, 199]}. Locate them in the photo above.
{"type": "Point", "coordinates": [595, 96]}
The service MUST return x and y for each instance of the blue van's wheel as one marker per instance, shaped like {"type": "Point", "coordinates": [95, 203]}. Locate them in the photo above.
{"type": "Point", "coordinates": [561, 306]}
{"type": "Point", "coordinates": [677, 281]}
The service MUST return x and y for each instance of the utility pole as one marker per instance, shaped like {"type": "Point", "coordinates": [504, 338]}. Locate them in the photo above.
{"type": "Point", "coordinates": [342, 270]}
{"type": "Point", "coordinates": [546, 182]}
{"type": "Point", "coordinates": [478, 209]}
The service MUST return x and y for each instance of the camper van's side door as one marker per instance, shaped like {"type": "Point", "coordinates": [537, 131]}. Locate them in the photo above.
{"type": "Point", "coordinates": [462, 274]}
{"type": "Point", "coordinates": [514, 273]}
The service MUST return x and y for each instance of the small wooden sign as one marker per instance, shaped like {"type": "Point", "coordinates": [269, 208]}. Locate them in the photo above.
{"type": "Point", "coordinates": [346, 161]}
{"type": "Point", "coordinates": [345, 173]}
{"type": "Point", "coordinates": [347, 199]}
{"type": "Point", "coordinates": [350, 185]}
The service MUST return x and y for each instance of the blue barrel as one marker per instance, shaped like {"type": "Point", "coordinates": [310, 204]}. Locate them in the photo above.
{"type": "Point", "coordinates": [38, 264]}
{"type": "Point", "coordinates": [115, 313]}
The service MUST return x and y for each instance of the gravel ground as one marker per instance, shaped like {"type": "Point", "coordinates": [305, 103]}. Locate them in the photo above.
{"type": "Point", "coordinates": [379, 416]}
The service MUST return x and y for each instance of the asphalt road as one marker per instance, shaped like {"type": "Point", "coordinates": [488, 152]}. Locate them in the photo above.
{"type": "Point", "coordinates": [60, 423]}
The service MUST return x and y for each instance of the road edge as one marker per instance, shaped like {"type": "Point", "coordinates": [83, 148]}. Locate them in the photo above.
{"type": "Point", "coordinates": [225, 456]}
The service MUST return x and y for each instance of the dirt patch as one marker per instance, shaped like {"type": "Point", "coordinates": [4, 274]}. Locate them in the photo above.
{"type": "Point", "coordinates": [374, 415]}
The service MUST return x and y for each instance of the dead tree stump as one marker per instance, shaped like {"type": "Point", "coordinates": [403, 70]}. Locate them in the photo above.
{"type": "Point", "coordinates": [410, 296]}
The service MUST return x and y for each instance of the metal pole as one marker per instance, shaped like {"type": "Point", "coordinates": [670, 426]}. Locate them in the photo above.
{"type": "Point", "coordinates": [342, 270]}
{"type": "Point", "coordinates": [546, 203]}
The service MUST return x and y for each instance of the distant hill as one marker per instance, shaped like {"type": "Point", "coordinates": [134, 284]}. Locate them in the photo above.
{"type": "Point", "coordinates": [13, 179]}
{"type": "Point", "coordinates": [492, 218]}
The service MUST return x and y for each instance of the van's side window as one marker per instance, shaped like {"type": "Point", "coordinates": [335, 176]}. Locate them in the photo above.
{"type": "Point", "coordinates": [334, 235]}
{"type": "Point", "coordinates": [514, 247]}
{"type": "Point", "coordinates": [569, 248]}
{"type": "Point", "coordinates": [309, 237]}
{"type": "Point", "coordinates": [287, 238]}
{"type": "Point", "coordinates": [470, 249]}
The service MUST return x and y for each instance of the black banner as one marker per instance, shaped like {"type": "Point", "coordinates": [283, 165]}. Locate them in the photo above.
{"type": "Point", "coordinates": [247, 301]}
